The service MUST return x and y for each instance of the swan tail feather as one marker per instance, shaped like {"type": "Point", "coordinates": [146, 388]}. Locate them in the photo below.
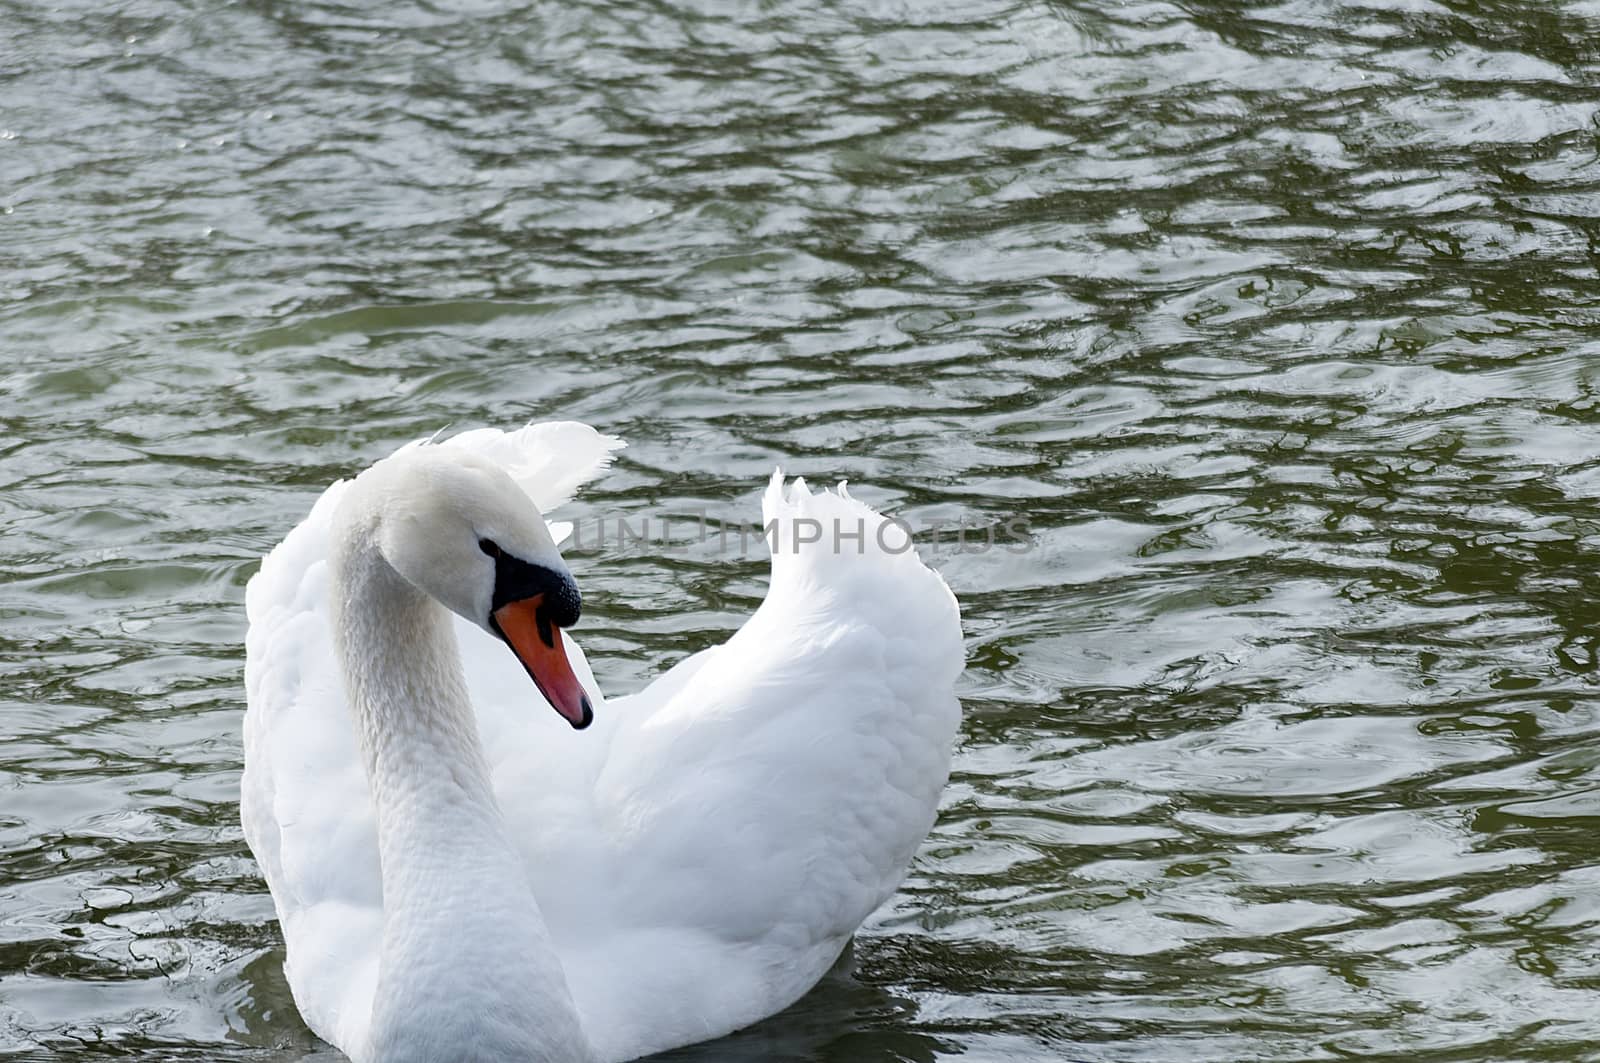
{"type": "Point", "coordinates": [830, 542]}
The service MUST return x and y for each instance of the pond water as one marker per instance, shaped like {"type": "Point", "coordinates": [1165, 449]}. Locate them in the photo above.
{"type": "Point", "coordinates": [1276, 324]}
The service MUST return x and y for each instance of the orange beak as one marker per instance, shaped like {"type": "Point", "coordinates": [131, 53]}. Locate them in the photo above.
{"type": "Point", "coordinates": [537, 644]}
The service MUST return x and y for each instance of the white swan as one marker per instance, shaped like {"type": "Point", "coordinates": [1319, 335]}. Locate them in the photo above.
{"type": "Point", "coordinates": [461, 875]}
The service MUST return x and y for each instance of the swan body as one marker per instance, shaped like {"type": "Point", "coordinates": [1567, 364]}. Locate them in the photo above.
{"type": "Point", "coordinates": [462, 875]}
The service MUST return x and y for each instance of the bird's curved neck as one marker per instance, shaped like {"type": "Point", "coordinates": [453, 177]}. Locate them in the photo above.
{"type": "Point", "coordinates": [467, 970]}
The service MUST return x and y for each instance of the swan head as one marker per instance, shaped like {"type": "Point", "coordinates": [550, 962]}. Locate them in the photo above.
{"type": "Point", "coordinates": [457, 528]}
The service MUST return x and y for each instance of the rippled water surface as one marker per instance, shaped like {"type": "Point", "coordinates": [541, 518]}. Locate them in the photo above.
{"type": "Point", "coordinates": [1278, 324]}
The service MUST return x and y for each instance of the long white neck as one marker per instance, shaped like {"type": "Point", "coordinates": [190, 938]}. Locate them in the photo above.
{"type": "Point", "coordinates": [467, 970]}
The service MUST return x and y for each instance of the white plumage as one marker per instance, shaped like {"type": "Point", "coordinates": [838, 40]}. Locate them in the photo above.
{"type": "Point", "coordinates": [696, 859]}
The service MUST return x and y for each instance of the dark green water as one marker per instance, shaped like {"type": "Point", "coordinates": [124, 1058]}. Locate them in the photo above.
{"type": "Point", "coordinates": [1278, 323]}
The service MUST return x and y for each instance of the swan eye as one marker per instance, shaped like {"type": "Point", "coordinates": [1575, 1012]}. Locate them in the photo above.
{"type": "Point", "coordinates": [490, 547]}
